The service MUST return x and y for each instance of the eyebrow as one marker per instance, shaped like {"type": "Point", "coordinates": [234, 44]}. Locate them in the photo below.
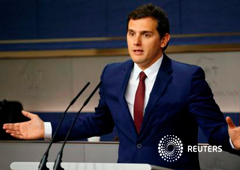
{"type": "Point", "coordinates": [142, 32]}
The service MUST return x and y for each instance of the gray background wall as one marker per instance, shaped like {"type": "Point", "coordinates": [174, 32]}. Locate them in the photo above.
{"type": "Point", "coordinates": [48, 85]}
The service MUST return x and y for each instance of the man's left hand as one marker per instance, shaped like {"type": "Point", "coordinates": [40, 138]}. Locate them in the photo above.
{"type": "Point", "coordinates": [234, 133]}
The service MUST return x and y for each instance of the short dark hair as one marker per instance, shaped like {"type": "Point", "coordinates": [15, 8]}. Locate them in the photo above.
{"type": "Point", "coordinates": [149, 10]}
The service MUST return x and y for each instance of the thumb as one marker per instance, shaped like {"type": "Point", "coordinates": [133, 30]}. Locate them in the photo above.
{"type": "Point", "coordinates": [230, 122]}
{"type": "Point", "coordinates": [28, 114]}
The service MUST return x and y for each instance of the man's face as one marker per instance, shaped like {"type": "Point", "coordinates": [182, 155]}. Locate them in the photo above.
{"type": "Point", "coordinates": [144, 43]}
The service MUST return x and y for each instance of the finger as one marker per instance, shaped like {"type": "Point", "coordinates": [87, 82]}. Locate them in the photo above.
{"type": "Point", "coordinates": [11, 131]}
{"type": "Point", "coordinates": [230, 122]}
{"type": "Point", "coordinates": [6, 126]}
{"type": "Point", "coordinates": [17, 135]}
{"type": "Point", "coordinates": [28, 114]}
{"type": "Point", "coordinates": [11, 126]}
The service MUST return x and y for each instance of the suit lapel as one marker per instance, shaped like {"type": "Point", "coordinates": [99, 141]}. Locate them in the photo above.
{"type": "Point", "coordinates": [163, 78]}
{"type": "Point", "coordinates": [123, 104]}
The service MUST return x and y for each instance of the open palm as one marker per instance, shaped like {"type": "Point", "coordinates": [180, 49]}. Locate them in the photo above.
{"type": "Point", "coordinates": [234, 133]}
{"type": "Point", "coordinates": [32, 129]}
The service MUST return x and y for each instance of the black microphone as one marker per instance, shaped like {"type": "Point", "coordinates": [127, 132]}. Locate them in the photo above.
{"type": "Point", "coordinates": [57, 163]}
{"type": "Point", "coordinates": [43, 162]}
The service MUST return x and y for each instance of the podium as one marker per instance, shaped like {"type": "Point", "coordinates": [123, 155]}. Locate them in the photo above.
{"type": "Point", "coordinates": [86, 166]}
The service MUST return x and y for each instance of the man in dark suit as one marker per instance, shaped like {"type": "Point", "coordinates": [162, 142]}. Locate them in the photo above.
{"type": "Point", "coordinates": [155, 103]}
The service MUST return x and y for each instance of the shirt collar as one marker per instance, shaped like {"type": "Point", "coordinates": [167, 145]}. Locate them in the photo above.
{"type": "Point", "coordinates": [151, 72]}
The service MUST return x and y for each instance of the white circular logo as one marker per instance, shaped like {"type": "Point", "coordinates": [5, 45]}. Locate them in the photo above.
{"type": "Point", "coordinates": [170, 148]}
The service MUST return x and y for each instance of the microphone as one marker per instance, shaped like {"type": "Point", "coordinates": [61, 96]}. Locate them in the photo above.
{"type": "Point", "coordinates": [57, 163]}
{"type": "Point", "coordinates": [43, 162]}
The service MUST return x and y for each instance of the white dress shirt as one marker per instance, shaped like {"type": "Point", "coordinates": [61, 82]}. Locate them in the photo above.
{"type": "Point", "coordinates": [151, 73]}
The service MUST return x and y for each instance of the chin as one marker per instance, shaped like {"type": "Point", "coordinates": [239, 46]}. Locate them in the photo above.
{"type": "Point", "coordinates": [136, 61]}
{"type": "Point", "coordinates": [137, 58]}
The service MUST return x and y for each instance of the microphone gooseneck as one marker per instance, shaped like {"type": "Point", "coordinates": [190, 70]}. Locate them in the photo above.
{"type": "Point", "coordinates": [43, 162]}
{"type": "Point", "coordinates": [57, 163]}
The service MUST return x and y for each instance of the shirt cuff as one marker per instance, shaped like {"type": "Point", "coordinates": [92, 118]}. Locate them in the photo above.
{"type": "Point", "coordinates": [48, 131]}
{"type": "Point", "coordinates": [231, 143]}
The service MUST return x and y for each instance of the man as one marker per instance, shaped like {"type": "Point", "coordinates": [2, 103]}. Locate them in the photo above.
{"type": "Point", "coordinates": [155, 103]}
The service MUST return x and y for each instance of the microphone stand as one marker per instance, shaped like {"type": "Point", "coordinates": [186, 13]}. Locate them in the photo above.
{"type": "Point", "coordinates": [57, 163]}
{"type": "Point", "coordinates": [43, 162]}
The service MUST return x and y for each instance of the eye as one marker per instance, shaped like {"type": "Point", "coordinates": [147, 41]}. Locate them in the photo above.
{"type": "Point", "coordinates": [147, 35]}
{"type": "Point", "coordinates": [131, 33]}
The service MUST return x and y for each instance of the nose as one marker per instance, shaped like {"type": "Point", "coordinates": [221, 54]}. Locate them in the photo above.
{"type": "Point", "coordinates": [137, 41]}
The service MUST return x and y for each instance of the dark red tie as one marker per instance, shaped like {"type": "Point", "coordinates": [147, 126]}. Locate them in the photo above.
{"type": "Point", "coordinates": [139, 102]}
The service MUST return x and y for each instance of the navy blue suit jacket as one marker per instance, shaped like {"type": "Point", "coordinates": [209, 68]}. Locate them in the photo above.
{"type": "Point", "coordinates": [179, 103]}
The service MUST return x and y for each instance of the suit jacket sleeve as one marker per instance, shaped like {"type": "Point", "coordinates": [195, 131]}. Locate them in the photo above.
{"type": "Point", "coordinates": [207, 112]}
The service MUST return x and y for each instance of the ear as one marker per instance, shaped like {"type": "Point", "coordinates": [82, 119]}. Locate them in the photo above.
{"type": "Point", "coordinates": [164, 40]}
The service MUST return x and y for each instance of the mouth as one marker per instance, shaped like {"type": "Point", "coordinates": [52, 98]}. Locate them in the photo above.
{"type": "Point", "coordinates": [138, 51]}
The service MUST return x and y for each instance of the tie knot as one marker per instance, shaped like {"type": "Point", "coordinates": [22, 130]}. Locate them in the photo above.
{"type": "Point", "coordinates": [142, 76]}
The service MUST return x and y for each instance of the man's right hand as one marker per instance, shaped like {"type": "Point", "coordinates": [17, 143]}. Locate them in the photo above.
{"type": "Point", "coordinates": [32, 129]}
